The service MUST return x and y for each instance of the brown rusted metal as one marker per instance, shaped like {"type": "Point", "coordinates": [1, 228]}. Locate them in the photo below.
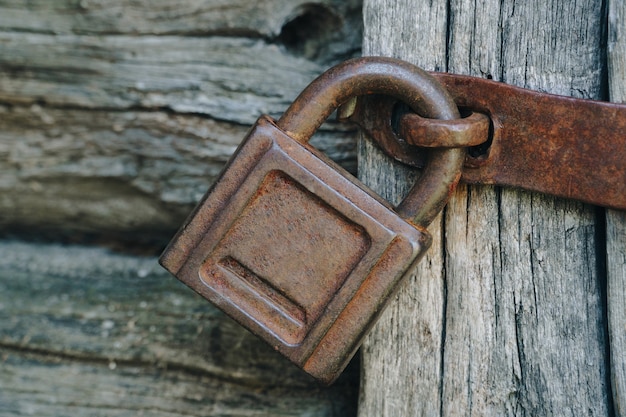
{"type": "Point", "coordinates": [557, 145]}
{"type": "Point", "coordinates": [375, 116]}
{"type": "Point", "coordinates": [392, 127]}
{"type": "Point", "coordinates": [400, 80]}
{"type": "Point", "coordinates": [296, 249]}
{"type": "Point", "coordinates": [472, 130]}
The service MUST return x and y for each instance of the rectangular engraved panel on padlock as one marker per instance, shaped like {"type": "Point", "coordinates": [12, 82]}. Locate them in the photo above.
{"type": "Point", "coordinates": [291, 247]}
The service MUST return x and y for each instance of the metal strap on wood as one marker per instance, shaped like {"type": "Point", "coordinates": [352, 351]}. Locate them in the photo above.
{"type": "Point", "coordinates": [567, 147]}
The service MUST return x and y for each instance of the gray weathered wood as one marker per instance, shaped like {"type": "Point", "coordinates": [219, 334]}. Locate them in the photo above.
{"type": "Point", "coordinates": [44, 386]}
{"type": "Point", "coordinates": [91, 331]}
{"type": "Point", "coordinates": [520, 303]}
{"type": "Point", "coordinates": [117, 172]}
{"type": "Point", "coordinates": [115, 117]}
{"type": "Point", "coordinates": [94, 107]}
{"type": "Point", "coordinates": [616, 221]}
{"type": "Point", "coordinates": [333, 25]}
{"type": "Point", "coordinates": [616, 294]}
{"type": "Point", "coordinates": [183, 74]}
{"type": "Point", "coordinates": [389, 383]}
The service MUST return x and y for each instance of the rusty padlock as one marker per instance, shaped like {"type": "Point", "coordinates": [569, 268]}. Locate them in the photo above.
{"type": "Point", "coordinates": [296, 249]}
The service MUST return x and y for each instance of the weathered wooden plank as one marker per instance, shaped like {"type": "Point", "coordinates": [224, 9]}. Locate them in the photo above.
{"type": "Point", "coordinates": [136, 171]}
{"type": "Point", "coordinates": [46, 386]}
{"type": "Point", "coordinates": [331, 18]}
{"type": "Point", "coordinates": [402, 356]}
{"type": "Point", "coordinates": [85, 302]}
{"type": "Point", "coordinates": [616, 294]}
{"type": "Point", "coordinates": [616, 50]}
{"type": "Point", "coordinates": [522, 309]}
{"type": "Point", "coordinates": [135, 162]}
{"type": "Point", "coordinates": [525, 317]}
{"type": "Point", "coordinates": [101, 324]}
{"type": "Point", "coordinates": [616, 221]}
{"type": "Point", "coordinates": [115, 117]}
{"type": "Point", "coordinates": [233, 79]}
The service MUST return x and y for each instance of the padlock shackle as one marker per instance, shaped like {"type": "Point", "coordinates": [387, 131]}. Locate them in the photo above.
{"type": "Point", "coordinates": [399, 79]}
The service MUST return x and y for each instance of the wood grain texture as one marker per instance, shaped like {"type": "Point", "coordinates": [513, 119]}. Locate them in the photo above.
{"type": "Point", "coordinates": [115, 118]}
{"type": "Point", "coordinates": [99, 333]}
{"type": "Point", "coordinates": [95, 111]}
{"type": "Point", "coordinates": [522, 310]}
{"type": "Point", "coordinates": [117, 172]}
{"type": "Point", "coordinates": [183, 74]}
{"type": "Point", "coordinates": [332, 26]}
{"type": "Point", "coordinates": [402, 356]}
{"type": "Point", "coordinates": [49, 387]}
{"type": "Point", "coordinates": [616, 221]}
{"type": "Point", "coordinates": [616, 294]}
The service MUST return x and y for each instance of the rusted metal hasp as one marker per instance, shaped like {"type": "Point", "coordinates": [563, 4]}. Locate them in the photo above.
{"type": "Point", "coordinates": [557, 145]}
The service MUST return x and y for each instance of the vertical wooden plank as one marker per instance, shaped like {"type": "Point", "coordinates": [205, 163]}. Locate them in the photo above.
{"type": "Point", "coordinates": [521, 305]}
{"type": "Point", "coordinates": [524, 320]}
{"type": "Point", "coordinates": [395, 382]}
{"type": "Point", "coordinates": [474, 264]}
{"type": "Point", "coordinates": [616, 221]}
{"type": "Point", "coordinates": [616, 291]}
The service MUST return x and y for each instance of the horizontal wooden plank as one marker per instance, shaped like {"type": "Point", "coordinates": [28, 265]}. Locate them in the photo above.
{"type": "Point", "coordinates": [115, 117]}
{"type": "Point", "coordinates": [49, 387]}
{"type": "Point", "coordinates": [116, 172]}
{"type": "Point", "coordinates": [109, 127]}
{"type": "Point", "coordinates": [229, 78]}
{"type": "Point", "coordinates": [233, 79]}
{"type": "Point", "coordinates": [97, 306]}
{"type": "Point", "coordinates": [191, 17]}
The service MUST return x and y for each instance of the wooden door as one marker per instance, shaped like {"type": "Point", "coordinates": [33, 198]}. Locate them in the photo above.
{"type": "Point", "coordinates": [518, 307]}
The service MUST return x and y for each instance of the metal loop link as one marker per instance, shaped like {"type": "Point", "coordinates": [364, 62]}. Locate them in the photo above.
{"type": "Point", "coordinates": [472, 130]}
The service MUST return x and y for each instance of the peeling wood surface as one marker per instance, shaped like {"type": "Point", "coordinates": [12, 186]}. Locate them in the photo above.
{"type": "Point", "coordinates": [116, 172]}
{"type": "Point", "coordinates": [161, 17]}
{"type": "Point", "coordinates": [507, 316]}
{"type": "Point", "coordinates": [182, 74]}
{"type": "Point", "coordinates": [93, 107]}
{"type": "Point", "coordinates": [99, 333]}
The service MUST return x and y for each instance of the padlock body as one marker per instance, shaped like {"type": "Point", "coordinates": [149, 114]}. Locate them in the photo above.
{"type": "Point", "coordinates": [295, 249]}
